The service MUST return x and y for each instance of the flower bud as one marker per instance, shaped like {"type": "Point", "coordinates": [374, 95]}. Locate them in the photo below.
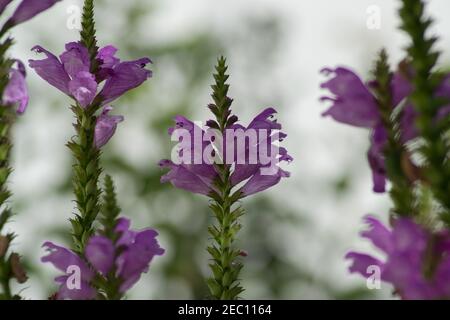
{"type": "Point", "coordinates": [4, 243]}
{"type": "Point", "coordinates": [17, 268]}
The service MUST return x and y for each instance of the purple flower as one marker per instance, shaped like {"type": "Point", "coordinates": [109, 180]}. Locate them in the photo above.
{"type": "Point", "coordinates": [107, 57]}
{"type": "Point", "coordinates": [105, 127]}
{"type": "Point", "coordinates": [354, 103]}
{"type": "Point", "coordinates": [64, 259]}
{"type": "Point", "coordinates": [128, 258]}
{"type": "Point", "coordinates": [107, 61]}
{"type": "Point", "coordinates": [71, 73]}
{"type": "Point", "coordinates": [26, 10]}
{"type": "Point", "coordinates": [51, 70]}
{"type": "Point", "coordinates": [443, 92]}
{"type": "Point", "coordinates": [124, 77]}
{"type": "Point", "coordinates": [402, 83]}
{"type": "Point", "coordinates": [83, 88]}
{"type": "Point", "coordinates": [16, 91]}
{"type": "Point", "coordinates": [187, 178]}
{"type": "Point", "coordinates": [416, 262]}
{"type": "Point", "coordinates": [376, 159]}
{"type": "Point", "coordinates": [198, 175]}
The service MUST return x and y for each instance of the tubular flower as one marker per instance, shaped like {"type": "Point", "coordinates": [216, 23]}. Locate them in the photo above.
{"type": "Point", "coordinates": [127, 258]}
{"type": "Point", "coordinates": [71, 73]}
{"type": "Point", "coordinates": [105, 127]}
{"type": "Point", "coordinates": [354, 103]}
{"type": "Point", "coordinates": [16, 91]}
{"type": "Point", "coordinates": [255, 164]}
{"type": "Point", "coordinates": [416, 261]}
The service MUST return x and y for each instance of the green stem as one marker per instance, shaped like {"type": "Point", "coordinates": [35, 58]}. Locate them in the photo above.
{"type": "Point", "coordinates": [402, 189]}
{"type": "Point", "coordinates": [226, 266]}
{"type": "Point", "coordinates": [7, 118]}
{"type": "Point", "coordinates": [110, 212]}
{"type": "Point", "coordinates": [86, 175]}
{"type": "Point", "coordinates": [424, 57]}
{"type": "Point", "coordinates": [87, 166]}
{"type": "Point", "coordinates": [6, 294]}
{"type": "Point", "coordinates": [87, 33]}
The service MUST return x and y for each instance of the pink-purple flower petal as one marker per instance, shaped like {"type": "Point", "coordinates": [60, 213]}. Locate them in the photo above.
{"type": "Point", "coordinates": [100, 253]}
{"type": "Point", "coordinates": [126, 76]}
{"type": "Point", "coordinates": [63, 258]}
{"type": "Point", "coordinates": [83, 88]}
{"type": "Point", "coordinates": [260, 181]}
{"type": "Point", "coordinates": [75, 59]}
{"type": "Point", "coordinates": [106, 127]}
{"type": "Point", "coordinates": [352, 101]}
{"type": "Point", "coordinates": [416, 262]}
{"type": "Point", "coordinates": [16, 91]}
{"type": "Point", "coordinates": [51, 70]}
{"type": "Point", "coordinates": [28, 9]}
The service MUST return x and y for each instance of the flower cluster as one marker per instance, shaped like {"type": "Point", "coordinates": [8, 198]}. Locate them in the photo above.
{"type": "Point", "coordinates": [73, 74]}
{"type": "Point", "coordinates": [199, 177]}
{"type": "Point", "coordinates": [354, 103]}
{"type": "Point", "coordinates": [417, 260]}
{"type": "Point", "coordinates": [123, 259]}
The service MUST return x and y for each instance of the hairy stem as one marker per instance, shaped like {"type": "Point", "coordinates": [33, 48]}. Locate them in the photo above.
{"type": "Point", "coordinates": [87, 166]}
{"type": "Point", "coordinates": [86, 175]}
{"type": "Point", "coordinates": [225, 263]}
{"type": "Point", "coordinates": [7, 118]}
{"type": "Point", "coordinates": [110, 212]}
{"type": "Point", "coordinates": [88, 33]}
{"type": "Point", "coordinates": [402, 190]}
{"type": "Point", "coordinates": [424, 58]}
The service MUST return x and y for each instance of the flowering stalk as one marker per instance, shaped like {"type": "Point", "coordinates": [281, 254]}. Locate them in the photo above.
{"type": "Point", "coordinates": [113, 260]}
{"type": "Point", "coordinates": [110, 211]}
{"type": "Point", "coordinates": [110, 261]}
{"type": "Point", "coordinates": [6, 119]}
{"type": "Point", "coordinates": [226, 173]}
{"type": "Point", "coordinates": [88, 38]}
{"type": "Point", "coordinates": [402, 188]}
{"type": "Point", "coordinates": [13, 91]}
{"type": "Point", "coordinates": [87, 167]}
{"type": "Point", "coordinates": [427, 105]}
{"type": "Point", "coordinates": [226, 266]}
{"type": "Point", "coordinates": [86, 175]}
{"type": "Point", "coordinates": [412, 103]}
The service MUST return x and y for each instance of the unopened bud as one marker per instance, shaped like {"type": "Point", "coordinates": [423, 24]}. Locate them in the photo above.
{"type": "Point", "coordinates": [412, 172]}
{"type": "Point", "coordinates": [243, 253]}
{"type": "Point", "coordinates": [4, 243]}
{"type": "Point", "coordinates": [17, 268]}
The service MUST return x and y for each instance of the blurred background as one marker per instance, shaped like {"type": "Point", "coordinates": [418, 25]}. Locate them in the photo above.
{"type": "Point", "coordinates": [298, 232]}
